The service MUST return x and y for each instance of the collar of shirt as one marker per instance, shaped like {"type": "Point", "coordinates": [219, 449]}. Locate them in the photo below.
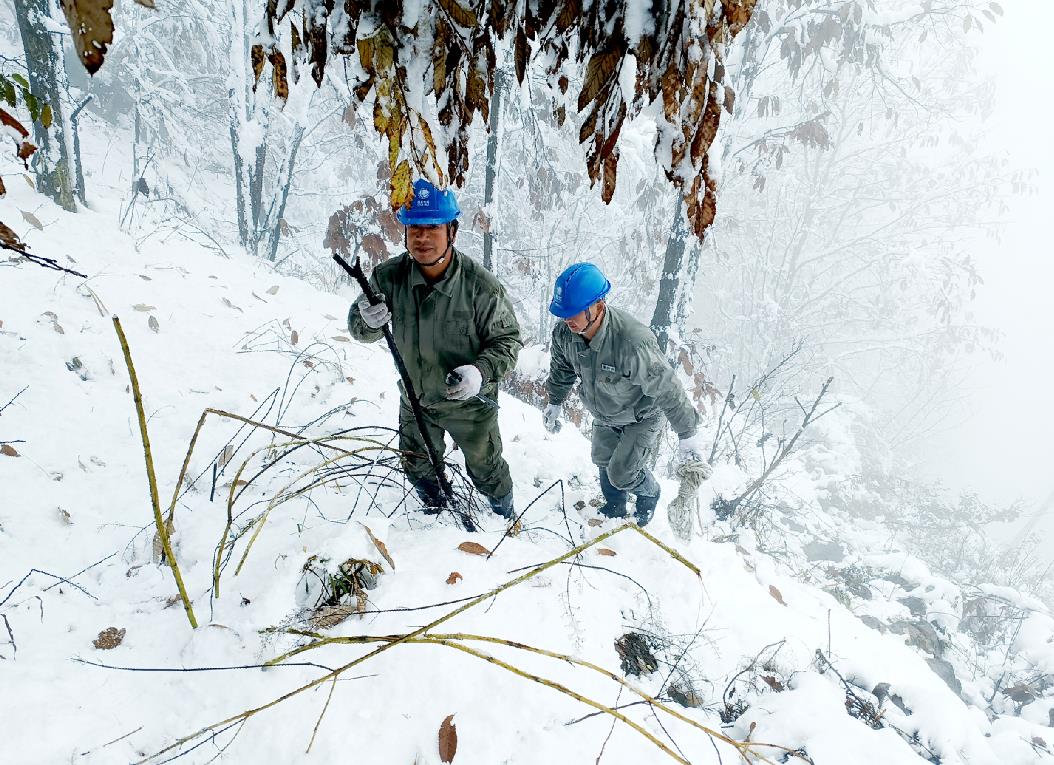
{"type": "Point", "coordinates": [595, 344]}
{"type": "Point", "coordinates": [445, 284]}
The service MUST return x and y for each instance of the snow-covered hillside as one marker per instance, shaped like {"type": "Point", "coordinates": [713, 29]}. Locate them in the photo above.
{"type": "Point", "coordinates": [743, 647]}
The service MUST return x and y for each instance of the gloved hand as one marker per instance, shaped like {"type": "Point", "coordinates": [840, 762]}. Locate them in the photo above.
{"type": "Point", "coordinates": [374, 316]}
{"type": "Point", "coordinates": [690, 449]}
{"type": "Point", "coordinates": [463, 383]}
{"type": "Point", "coordinates": [551, 418]}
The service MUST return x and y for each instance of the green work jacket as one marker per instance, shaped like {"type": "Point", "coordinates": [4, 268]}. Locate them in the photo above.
{"type": "Point", "coordinates": [464, 318]}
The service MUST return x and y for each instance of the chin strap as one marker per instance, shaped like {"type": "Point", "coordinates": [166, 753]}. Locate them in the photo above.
{"type": "Point", "coordinates": [441, 258]}
{"type": "Point", "coordinates": [590, 320]}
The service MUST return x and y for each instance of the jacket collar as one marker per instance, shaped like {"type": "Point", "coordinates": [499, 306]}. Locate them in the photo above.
{"type": "Point", "coordinates": [450, 277]}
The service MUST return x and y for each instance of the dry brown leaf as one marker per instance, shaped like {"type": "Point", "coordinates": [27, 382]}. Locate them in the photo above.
{"type": "Point", "coordinates": [273, 290]}
{"type": "Point", "coordinates": [32, 220]}
{"type": "Point", "coordinates": [605, 551]}
{"type": "Point", "coordinates": [8, 451]}
{"type": "Point", "coordinates": [153, 324]}
{"type": "Point", "coordinates": [473, 548]}
{"type": "Point", "coordinates": [776, 594]}
{"type": "Point", "coordinates": [773, 683]}
{"type": "Point", "coordinates": [595, 522]}
{"type": "Point", "coordinates": [3, 188]}
{"type": "Point", "coordinates": [6, 118]}
{"type": "Point", "coordinates": [341, 339]}
{"type": "Point", "coordinates": [294, 337]}
{"type": "Point", "coordinates": [380, 546]}
{"type": "Point", "coordinates": [454, 578]}
{"type": "Point", "coordinates": [278, 75]}
{"type": "Point", "coordinates": [109, 638]}
{"type": "Point", "coordinates": [92, 29]}
{"type": "Point", "coordinates": [447, 739]}
{"type": "Point", "coordinates": [351, 380]}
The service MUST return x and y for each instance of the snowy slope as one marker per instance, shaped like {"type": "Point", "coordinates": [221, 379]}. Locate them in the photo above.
{"type": "Point", "coordinates": [75, 499]}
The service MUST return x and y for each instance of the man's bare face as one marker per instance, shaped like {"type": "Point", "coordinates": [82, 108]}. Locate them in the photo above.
{"type": "Point", "coordinates": [426, 243]}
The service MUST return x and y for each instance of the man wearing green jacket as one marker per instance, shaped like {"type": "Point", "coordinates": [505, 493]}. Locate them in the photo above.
{"type": "Point", "coordinates": [457, 333]}
{"type": "Point", "coordinates": [625, 383]}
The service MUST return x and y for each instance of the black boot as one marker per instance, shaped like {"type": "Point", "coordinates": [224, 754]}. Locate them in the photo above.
{"type": "Point", "coordinates": [647, 492]}
{"type": "Point", "coordinates": [431, 495]}
{"type": "Point", "coordinates": [503, 506]}
{"type": "Point", "coordinates": [615, 506]}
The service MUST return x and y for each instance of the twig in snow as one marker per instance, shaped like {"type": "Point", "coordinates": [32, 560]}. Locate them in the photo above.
{"type": "Point", "coordinates": [197, 669]}
{"type": "Point", "coordinates": [612, 730]}
{"type": "Point", "coordinates": [108, 743]}
{"type": "Point", "coordinates": [2, 408]}
{"type": "Point", "coordinates": [10, 636]}
{"type": "Point", "coordinates": [61, 580]}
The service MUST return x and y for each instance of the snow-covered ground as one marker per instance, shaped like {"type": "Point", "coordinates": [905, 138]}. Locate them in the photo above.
{"type": "Point", "coordinates": [766, 656]}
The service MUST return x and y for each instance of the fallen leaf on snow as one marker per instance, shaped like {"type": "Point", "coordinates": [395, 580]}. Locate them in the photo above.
{"type": "Point", "coordinates": [294, 338]}
{"type": "Point", "coordinates": [229, 304]}
{"type": "Point", "coordinates": [144, 277]}
{"type": "Point", "coordinates": [341, 339]}
{"type": "Point", "coordinates": [32, 220]}
{"type": "Point", "coordinates": [473, 548]}
{"type": "Point", "coordinates": [152, 322]}
{"type": "Point", "coordinates": [776, 594]}
{"type": "Point", "coordinates": [327, 316]}
{"type": "Point", "coordinates": [8, 451]}
{"type": "Point", "coordinates": [595, 522]}
{"type": "Point", "coordinates": [144, 307]}
{"type": "Point", "coordinates": [273, 290]}
{"type": "Point", "coordinates": [447, 739]}
{"type": "Point", "coordinates": [605, 551]}
{"type": "Point", "coordinates": [109, 638]}
{"type": "Point", "coordinates": [380, 546]}
{"type": "Point", "coordinates": [454, 578]}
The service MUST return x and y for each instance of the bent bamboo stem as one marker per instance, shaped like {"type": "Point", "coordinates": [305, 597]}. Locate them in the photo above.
{"type": "Point", "coordinates": [155, 503]}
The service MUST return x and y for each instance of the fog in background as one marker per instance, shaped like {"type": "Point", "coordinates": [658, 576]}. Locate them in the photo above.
{"type": "Point", "coordinates": [1003, 448]}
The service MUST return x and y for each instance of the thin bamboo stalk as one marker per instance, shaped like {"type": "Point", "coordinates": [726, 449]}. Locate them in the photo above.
{"type": "Point", "coordinates": [246, 714]}
{"type": "Point", "coordinates": [155, 503]}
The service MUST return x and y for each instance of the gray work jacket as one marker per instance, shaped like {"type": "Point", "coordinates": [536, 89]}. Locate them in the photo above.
{"type": "Point", "coordinates": [624, 377]}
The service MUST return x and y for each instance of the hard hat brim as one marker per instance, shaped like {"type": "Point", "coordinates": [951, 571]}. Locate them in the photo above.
{"type": "Point", "coordinates": [407, 218]}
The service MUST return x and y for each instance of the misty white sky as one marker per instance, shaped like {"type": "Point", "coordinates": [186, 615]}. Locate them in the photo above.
{"type": "Point", "coordinates": [1005, 449]}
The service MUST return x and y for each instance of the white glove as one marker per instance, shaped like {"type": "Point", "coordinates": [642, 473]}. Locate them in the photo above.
{"type": "Point", "coordinates": [463, 383]}
{"type": "Point", "coordinates": [551, 417]}
{"type": "Point", "coordinates": [690, 449]}
{"type": "Point", "coordinates": [374, 316]}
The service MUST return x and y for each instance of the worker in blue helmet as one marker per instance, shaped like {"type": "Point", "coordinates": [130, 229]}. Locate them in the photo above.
{"type": "Point", "coordinates": [625, 382]}
{"type": "Point", "coordinates": [456, 330]}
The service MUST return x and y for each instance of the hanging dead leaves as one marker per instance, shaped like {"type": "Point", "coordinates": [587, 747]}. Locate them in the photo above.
{"type": "Point", "coordinates": [675, 66]}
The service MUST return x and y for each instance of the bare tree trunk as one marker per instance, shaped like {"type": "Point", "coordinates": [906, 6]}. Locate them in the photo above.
{"type": "Point", "coordinates": [78, 166]}
{"type": "Point", "coordinates": [239, 175]}
{"type": "Point", "coordinates": [492, 170]}
{"type": "Point", "coordinates": [670, 280]}
{"type": "Point", "coordinates": [51, 163]}
{"type": "Point", "coordinates": [256, 184]}
{"type": "Point", "coordinates": [285, 181]}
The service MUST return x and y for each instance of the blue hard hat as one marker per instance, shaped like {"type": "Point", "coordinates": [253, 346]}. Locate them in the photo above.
{"type": "Point", "coordinates": [429, 207]}
{"type": "Point", "coordinates": [577, 288]}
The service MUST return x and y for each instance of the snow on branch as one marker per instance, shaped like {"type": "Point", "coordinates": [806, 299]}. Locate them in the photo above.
{"type": "Point", "coordinates": [430, 69]}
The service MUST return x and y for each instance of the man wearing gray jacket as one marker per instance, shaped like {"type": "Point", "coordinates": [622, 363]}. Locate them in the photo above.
{"type": "Point", "coordinates": [625, 383]}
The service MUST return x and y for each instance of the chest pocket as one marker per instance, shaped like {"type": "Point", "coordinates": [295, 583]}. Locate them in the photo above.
{"type": "Point", "coordinates": [458, 331]}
